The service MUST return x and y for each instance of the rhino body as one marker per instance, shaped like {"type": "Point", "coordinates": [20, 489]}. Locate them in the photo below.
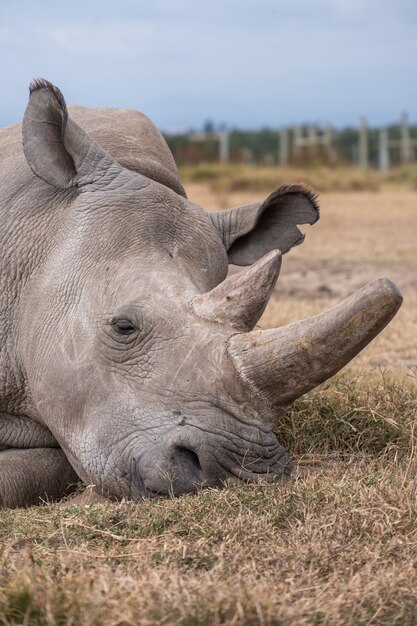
{"type": "Point", "coordinates": [127, 357]}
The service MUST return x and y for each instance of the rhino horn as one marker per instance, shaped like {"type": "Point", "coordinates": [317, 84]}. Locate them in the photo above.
{"type": "Point", "coordinates": [240, 299]}
{"type": "Point", "coordinates": [279, 365]}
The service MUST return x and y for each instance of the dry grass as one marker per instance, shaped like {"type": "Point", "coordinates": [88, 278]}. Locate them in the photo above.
{"type": "Point", "coordinates": [336, 546]}
{"type": "Point", "coordinates": [223, 178]}
{"type": "Point", "coordinates": [235, 178]}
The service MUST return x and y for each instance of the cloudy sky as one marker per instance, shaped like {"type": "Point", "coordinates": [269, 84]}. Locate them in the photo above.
{"type": "Point", "coordinates": [246, 63]}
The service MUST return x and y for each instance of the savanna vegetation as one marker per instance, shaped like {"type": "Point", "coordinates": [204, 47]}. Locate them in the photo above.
{"type": "Point", "coordinates": [337, 544]}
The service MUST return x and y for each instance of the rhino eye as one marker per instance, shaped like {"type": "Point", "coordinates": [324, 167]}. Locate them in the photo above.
{"type": "Point", "coordinates": [123, 326]}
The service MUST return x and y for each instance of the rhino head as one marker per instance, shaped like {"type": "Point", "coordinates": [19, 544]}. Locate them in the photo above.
{"type": "Point", "coordinates": [140, 353]}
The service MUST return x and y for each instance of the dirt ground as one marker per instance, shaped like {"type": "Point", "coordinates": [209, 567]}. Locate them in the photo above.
{"type": "Point", "coordinates": [360, 236]}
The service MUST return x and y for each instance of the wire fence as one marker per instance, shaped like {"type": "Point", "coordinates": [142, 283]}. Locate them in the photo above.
{"type": "Point", "coordinates": [364, 146]}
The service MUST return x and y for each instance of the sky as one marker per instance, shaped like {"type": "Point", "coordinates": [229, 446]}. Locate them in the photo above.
{"type": "Point", "coordinates": [242, 63]}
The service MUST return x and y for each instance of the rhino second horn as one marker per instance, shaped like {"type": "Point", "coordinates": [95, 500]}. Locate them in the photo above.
{"type": "Point", "coordinates": [240, 299]}
{"type": "Point", "coordinates": [279, 365]}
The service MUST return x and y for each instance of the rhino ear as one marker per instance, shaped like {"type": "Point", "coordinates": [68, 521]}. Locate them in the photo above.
{"type": "Point", "coordinates": [248, 232]}
{"type": "Point", "coordinates": [56, 148]}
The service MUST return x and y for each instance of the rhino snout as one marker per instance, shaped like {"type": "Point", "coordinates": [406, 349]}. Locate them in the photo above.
{"type": "Point", "coordinates": [179, 470]}
{"type": "Point", "coordinates": [185, 468]}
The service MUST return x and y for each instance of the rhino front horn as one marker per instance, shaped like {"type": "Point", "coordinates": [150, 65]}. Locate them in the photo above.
{"type": "Point", "coordinates": [279, 365]}
{"type": "Point", "coordinates": [240, 299]}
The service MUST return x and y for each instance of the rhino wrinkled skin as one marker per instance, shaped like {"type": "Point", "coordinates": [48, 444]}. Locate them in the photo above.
{"type": "Point", "coordinates": [127, 356]}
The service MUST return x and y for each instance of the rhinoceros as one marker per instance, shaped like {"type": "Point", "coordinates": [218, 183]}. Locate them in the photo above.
{"type": "Point", "coordinates": [129, 358]}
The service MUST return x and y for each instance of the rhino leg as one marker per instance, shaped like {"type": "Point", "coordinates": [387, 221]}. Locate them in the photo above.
{"type": "Point", "coordinates": [28, 476]}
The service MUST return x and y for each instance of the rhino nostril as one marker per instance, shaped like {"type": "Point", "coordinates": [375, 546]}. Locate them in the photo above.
{"type": "Point", "coordinates": [187, 462]}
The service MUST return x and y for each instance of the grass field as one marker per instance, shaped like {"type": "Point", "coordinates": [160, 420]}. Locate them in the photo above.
{"type": "Point", "coordinates": [336, 545]}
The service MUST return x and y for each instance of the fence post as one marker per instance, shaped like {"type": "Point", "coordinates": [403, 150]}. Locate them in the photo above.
{"type": "Point", "coordinates": [283, 147]}
{"type": "Point", "coordinates": [383, 149]}
{"type": "Point", "coordinates": [297, 137]}
{"type": "Point", "coordinates": [224, 146]}
{"type": "Point", "coordinates": [405, 139]}
{"type": "Point", "coordinates": [363, 143]}
{"type": "Point", "coordinates": [312, 140]}
{"type": "Point", "coordinates": [328, 142]}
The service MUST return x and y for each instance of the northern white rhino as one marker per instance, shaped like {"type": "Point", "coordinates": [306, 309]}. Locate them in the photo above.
{"type": "Point", "coordinates": [126, 354]}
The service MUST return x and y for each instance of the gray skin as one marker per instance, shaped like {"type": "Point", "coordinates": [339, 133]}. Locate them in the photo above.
{"type": "Point", "coordinates": [124, 349]}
